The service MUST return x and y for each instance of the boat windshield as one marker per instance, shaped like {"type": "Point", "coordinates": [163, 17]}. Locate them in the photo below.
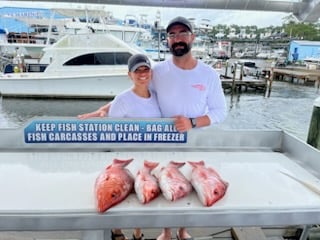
{"type": "Point", "coordinates": [105, 58]}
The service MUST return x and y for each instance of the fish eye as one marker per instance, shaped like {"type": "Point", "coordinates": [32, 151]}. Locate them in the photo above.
{"type": "Point", "coordinates": [114, 195]}
{"type": "Point", "coordinates": [216, 192]}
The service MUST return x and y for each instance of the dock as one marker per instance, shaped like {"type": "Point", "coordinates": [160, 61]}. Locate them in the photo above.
{"type": "Point", "coordinates": [236, 82]}
{"type": "Point", "coordinates": [244, 85]}
{"type": "Point", "coordinates": [232, 82]}
{"type": "Point", "coordinates": [297, 75]}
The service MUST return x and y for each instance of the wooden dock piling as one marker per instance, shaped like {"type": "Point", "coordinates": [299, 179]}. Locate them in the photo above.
{"type": "Point", "coordinates": [314, 128]}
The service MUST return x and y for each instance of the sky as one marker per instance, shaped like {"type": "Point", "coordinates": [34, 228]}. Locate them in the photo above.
{"type": "Point", "coordinates": [225, 17]}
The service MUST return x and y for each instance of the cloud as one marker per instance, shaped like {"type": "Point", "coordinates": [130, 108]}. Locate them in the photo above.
{"type": "Point", "coordinates": [224, 17]}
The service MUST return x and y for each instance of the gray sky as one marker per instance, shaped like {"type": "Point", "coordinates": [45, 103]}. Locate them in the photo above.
{"type": "Point", "coordinates": [228, 17]}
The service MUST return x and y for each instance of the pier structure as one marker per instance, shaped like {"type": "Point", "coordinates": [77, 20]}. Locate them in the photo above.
{"type": "Point", "coordinates": [235, 81]}
{"type": "Point", "coordinates": [297, 75]}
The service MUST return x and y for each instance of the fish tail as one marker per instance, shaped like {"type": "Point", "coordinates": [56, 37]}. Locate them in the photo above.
{"type": "Point", "coordinates": [150, 165]}
{"type": "Point", "coordinates": [196, 164]}
{"type": "Point", "coordinates": [177, 164]}
{"type": "Point", "coordinates": [122, 162]}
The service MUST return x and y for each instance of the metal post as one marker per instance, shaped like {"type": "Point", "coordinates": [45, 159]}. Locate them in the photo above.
{"type": "Point", "coordinates": [305, 232]}
{"type": "Point", "coordinates": [159, 39]}
{"type": "Point", "coordinates": [270, 81]}
{"type": "Point", "coordinates": [226, 69]}
{"type": "Point", "coordinates": [96, 235]}
{"type": "Point", "coordinates": [234, 78]}
{"type": "Point", "coordinates": [241, 71]}
{"type": "Point", "coordinates": [314, 128]}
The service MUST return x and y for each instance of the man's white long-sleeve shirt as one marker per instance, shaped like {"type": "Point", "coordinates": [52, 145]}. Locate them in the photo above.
{"type": "Point", "coordinates": [190, 93]}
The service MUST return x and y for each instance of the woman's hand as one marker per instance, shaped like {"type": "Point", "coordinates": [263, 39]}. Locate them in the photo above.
{"type": "Point", "coordinates": [99, 113]}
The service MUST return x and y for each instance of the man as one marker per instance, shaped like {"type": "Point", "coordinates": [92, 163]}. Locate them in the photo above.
{"type": "Point", "coordinates": [187, 90]}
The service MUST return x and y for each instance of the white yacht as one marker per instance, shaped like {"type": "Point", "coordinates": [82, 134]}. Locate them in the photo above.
{"type": "Point", "coordinates": [48, 31]}
{"type": "Point", "coordinates": [77, 66]}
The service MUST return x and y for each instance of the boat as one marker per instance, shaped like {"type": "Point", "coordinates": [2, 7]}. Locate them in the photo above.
{"type": "Point", "coordinates": [312, 63]}
{"type": "Point", "coordinates": [90, 65]}
{"type": "Point", "coordinates": [48, 31]}
{"type": "Point", "coordinates": [100, 21]}
{"type": "Point", "coordinates": [205, 25]}
{"type": "Point", "coordinates": [33, 30]}
{"type": "Point", "coordinates": [249, 68]}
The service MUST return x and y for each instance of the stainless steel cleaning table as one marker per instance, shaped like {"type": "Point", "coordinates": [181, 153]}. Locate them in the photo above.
{"type": "Point", "coordinates": [48, 186]}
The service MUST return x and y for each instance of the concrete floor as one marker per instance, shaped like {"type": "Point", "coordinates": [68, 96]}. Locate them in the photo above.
{"type": "Point", "coordinates": [273, 233]}
{"type": "Point", "coordinates": [149, 234]}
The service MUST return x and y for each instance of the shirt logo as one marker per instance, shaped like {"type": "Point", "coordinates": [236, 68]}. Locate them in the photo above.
{"type": "Point", "coordinates": [200, 87]}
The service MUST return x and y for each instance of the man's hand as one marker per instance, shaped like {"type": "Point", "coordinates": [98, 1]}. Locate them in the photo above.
{"type": "Point", "coordinates": [182, 123]}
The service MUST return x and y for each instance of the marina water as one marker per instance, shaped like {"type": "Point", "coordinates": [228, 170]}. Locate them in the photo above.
{"type": "Point", "coordinates": [288, 108]}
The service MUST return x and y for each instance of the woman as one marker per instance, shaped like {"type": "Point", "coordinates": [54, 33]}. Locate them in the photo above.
{"type": "Point", "coordinates": [136, 102]}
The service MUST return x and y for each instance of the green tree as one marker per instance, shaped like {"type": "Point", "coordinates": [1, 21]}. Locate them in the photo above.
{"type": "Point", "coordinates": [305, 31]}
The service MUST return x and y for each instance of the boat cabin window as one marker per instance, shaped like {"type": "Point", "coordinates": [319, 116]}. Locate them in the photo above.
{"type": "Point", "coordinates": [114, 58]}
{"type": "Point", "coordinates": [129, 36]}
{"type": "Point", "coordinates": [116, 33]}
{"type": "Point", "coordinates": [250, 64]}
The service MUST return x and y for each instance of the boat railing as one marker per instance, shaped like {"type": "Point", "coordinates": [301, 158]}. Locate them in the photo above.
{"type": "Point", "coordinates": [27, 38]}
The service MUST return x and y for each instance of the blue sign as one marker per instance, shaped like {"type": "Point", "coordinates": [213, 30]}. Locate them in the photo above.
{"type": "Point", "coordinates": [102, 131]}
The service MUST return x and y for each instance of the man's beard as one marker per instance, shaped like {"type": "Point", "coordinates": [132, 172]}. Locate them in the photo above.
{"type": "Point", "coordinates": [180, 51]}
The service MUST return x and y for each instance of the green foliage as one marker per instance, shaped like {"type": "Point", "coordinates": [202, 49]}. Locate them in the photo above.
{"type": "Point", "coordinates": [306, 31]}
{"type": "Point", "coordinates": [293, 29]}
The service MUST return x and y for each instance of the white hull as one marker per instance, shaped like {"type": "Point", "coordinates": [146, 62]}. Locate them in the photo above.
{"type": "Point", "coordinates": [79, 66]}
{"type": "Point", "coordinates": [94, 86]}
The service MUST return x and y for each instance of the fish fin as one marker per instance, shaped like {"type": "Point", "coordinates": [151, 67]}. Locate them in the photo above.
{"type": "Point", "coordinates": [108, 167]}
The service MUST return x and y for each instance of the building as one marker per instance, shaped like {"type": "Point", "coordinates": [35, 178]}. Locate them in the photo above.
{"type": "Point", "coordinates": [299, 50]}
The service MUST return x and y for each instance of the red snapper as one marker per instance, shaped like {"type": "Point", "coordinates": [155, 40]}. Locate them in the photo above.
{"type": "Point", "coordinates": [146, 185]}
{"type": "Point", "coordinates": [113, 185]}
{"type": "Point", "coordinates": [207, 183]}
{"type": "Point", "coordinates": [173, 184]}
